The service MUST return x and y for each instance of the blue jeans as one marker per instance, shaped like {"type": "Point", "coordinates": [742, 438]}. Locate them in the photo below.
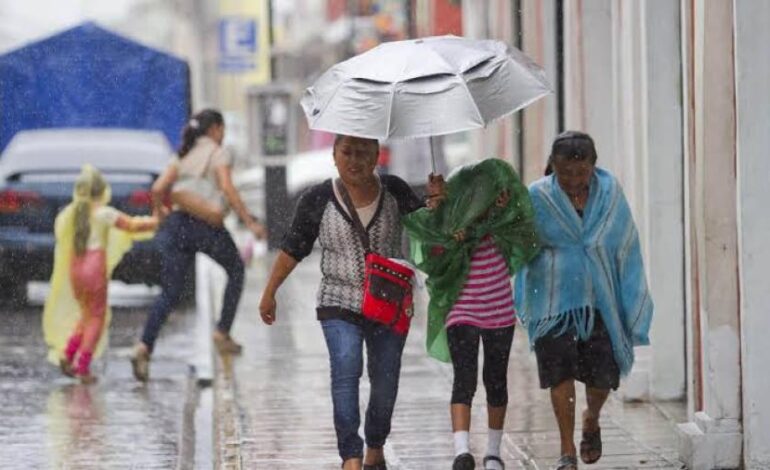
{"type": "Point", "coordinates": [179, 238]}
{"type": "Point", "coordinates": [344, 341]}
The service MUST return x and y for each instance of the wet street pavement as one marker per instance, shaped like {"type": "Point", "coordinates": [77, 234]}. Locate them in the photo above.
{"type": "Point", "coordinates": [273, 405]}
{"type": "Point", "coordinates": [51, 421]}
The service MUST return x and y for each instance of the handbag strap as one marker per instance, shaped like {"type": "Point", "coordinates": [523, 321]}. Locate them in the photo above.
{"type": "Point", "coordinates": [208, 162]}
{"type": "Point", "coordinates": [357, 224]}
{"type": "Point", "coordinates": [202, 175]}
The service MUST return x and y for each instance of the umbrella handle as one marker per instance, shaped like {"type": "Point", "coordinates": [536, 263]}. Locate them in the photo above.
{"type": "Point", "coordinates": [432, 157]}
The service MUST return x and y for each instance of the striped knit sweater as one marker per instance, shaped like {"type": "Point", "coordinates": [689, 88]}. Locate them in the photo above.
{"type": "Point", "coordinates": [321, 217]}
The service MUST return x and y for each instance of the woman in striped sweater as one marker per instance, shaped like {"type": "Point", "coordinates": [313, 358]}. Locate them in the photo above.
{"type": "Point", "coordinates": [470, 247]}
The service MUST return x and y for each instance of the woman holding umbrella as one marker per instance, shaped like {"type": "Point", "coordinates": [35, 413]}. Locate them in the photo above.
{"type": "Point", "coordinates": [321, 215]}
{"type": "Point", "coordinates": [584, 298]}
{"type": "Point", "coordinates": [403, 89]}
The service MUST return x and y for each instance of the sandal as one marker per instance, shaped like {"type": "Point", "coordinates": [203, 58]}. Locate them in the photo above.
{"type": "Point", "coordinates": [591, 444]}
{"type": "Point", "coordinates": [375, 466]}
{"type": "Point", "coordinates": [493, 458]}
{"type": "Point", "coordinates": [567, 462]}
{"type": "Point", "coordinates": [225, 344]}
{"type": "Point", "coordinates": [140, 363]}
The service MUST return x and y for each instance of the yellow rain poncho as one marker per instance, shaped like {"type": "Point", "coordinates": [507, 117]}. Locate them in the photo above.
{"type": "Point", "coordinates": [62, 311]}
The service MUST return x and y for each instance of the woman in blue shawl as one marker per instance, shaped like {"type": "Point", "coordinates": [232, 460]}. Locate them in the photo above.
{"type": "Point", "coordinates": [584, 298]}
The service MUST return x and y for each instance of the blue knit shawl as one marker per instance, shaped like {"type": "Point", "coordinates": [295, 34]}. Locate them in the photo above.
{"type": "Point", "coordinates": [587, 264]}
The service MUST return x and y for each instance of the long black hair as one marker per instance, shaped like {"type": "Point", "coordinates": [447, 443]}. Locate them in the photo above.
{"type": "Point", "coordinates": [197, 126]}
{"type": "Point", "coordinates": [338, 138]}
{"type": "Point", "coordinates": [571, 145]}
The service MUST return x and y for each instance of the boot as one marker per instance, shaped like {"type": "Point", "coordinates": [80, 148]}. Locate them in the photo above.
{"type": "Point", "coordinates": [72, 347]}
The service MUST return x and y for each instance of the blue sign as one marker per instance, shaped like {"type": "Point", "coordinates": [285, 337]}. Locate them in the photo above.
{"type": "Point", "coordinates": [238, 44]}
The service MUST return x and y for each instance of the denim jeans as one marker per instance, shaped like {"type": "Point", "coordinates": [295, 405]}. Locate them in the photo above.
{"type": "Point", "coordinates": [344, 341]}
{"type": "Point", "coordinates": [180, 237]}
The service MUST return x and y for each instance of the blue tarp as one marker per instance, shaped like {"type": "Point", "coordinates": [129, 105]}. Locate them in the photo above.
{"type": "Point", "coordinates": [90, 77]}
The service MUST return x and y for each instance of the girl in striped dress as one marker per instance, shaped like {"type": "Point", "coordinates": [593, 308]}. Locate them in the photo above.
{"type": "Point", "coordinates": [470, 246]}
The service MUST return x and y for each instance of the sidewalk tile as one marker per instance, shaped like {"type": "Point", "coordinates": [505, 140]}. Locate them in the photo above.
{"type": "Point", "coordinates": [284, 413]}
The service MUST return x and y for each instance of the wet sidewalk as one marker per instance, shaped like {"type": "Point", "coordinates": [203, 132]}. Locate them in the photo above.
{"type": "Point", "coordinates": [51, 421]}
{"type": "Point", "coordinates": [273, 407]}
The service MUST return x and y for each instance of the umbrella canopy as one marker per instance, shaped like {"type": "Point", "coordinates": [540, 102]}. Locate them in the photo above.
{"type": "Point", "coordinates": [423, 87]}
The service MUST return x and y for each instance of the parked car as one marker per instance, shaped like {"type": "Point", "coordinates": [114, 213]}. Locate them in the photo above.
{"type": "Point", "coordinates": [37, 174]}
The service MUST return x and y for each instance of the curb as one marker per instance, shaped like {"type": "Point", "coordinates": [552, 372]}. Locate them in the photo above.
{"type": "Point", "coordinates": [196, 440]}
{"type": "Point", "coordinates": [205, 306]}
{"type": "Point", "coordinates": [217, 370]}
{"type": "Point", "coordinates": [188, 436]}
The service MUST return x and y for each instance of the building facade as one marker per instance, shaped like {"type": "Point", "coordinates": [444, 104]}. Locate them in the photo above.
{"type": "Point", "coordinates": [674, 95]}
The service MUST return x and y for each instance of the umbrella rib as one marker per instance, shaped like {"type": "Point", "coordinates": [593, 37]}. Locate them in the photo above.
{"type": "Point", "coordinates": [392, 96]}
{"type": "Point", "coordinates": [326, 105]}
{"type": "Point", "coordinates": [390, 110]}
{"type": "Point", "coordinates": [478, 111]}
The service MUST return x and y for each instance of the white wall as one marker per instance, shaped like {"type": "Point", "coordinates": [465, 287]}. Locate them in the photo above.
{"type": "Point", "coordinates": [753, 144]}
{"type": "Point", "coordinates": [683, 118]}
{"type": "Point", "coordinates": [623, 86]}
{"type": "Point", "coordinates": [663, 149]}
{"type": "Point", "coordinates": [539, 119]}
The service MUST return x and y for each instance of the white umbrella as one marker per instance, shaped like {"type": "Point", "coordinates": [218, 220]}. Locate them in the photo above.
{"type": "Point", "coordinates": [422, 88]}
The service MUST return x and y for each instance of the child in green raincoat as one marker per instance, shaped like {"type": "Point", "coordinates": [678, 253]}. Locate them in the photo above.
{"type": "Point", "coordinates": [470, 246]}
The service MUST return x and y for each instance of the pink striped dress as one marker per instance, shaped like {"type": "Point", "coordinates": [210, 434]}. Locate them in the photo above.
{"type": "Point", "coordinates": [486, 300]}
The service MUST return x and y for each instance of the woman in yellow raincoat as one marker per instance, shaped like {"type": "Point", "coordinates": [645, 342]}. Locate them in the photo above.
{"type": "Point", "coordinates": [91, 238]}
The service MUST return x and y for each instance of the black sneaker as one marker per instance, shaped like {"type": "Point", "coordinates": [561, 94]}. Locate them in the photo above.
{"type": "Point", "coordinates": [464, 462]}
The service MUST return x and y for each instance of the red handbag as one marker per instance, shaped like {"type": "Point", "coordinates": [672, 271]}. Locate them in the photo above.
{"type": "Point", "coordinates": [387, 283]}
{"type": "Point", "coordinates": [388, 293]}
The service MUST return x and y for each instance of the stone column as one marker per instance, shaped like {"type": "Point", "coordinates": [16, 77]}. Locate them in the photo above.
{"type": "Point", "coordinates": [752, 70]}
{"type": "Point", "coordinates": [712, 439]}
